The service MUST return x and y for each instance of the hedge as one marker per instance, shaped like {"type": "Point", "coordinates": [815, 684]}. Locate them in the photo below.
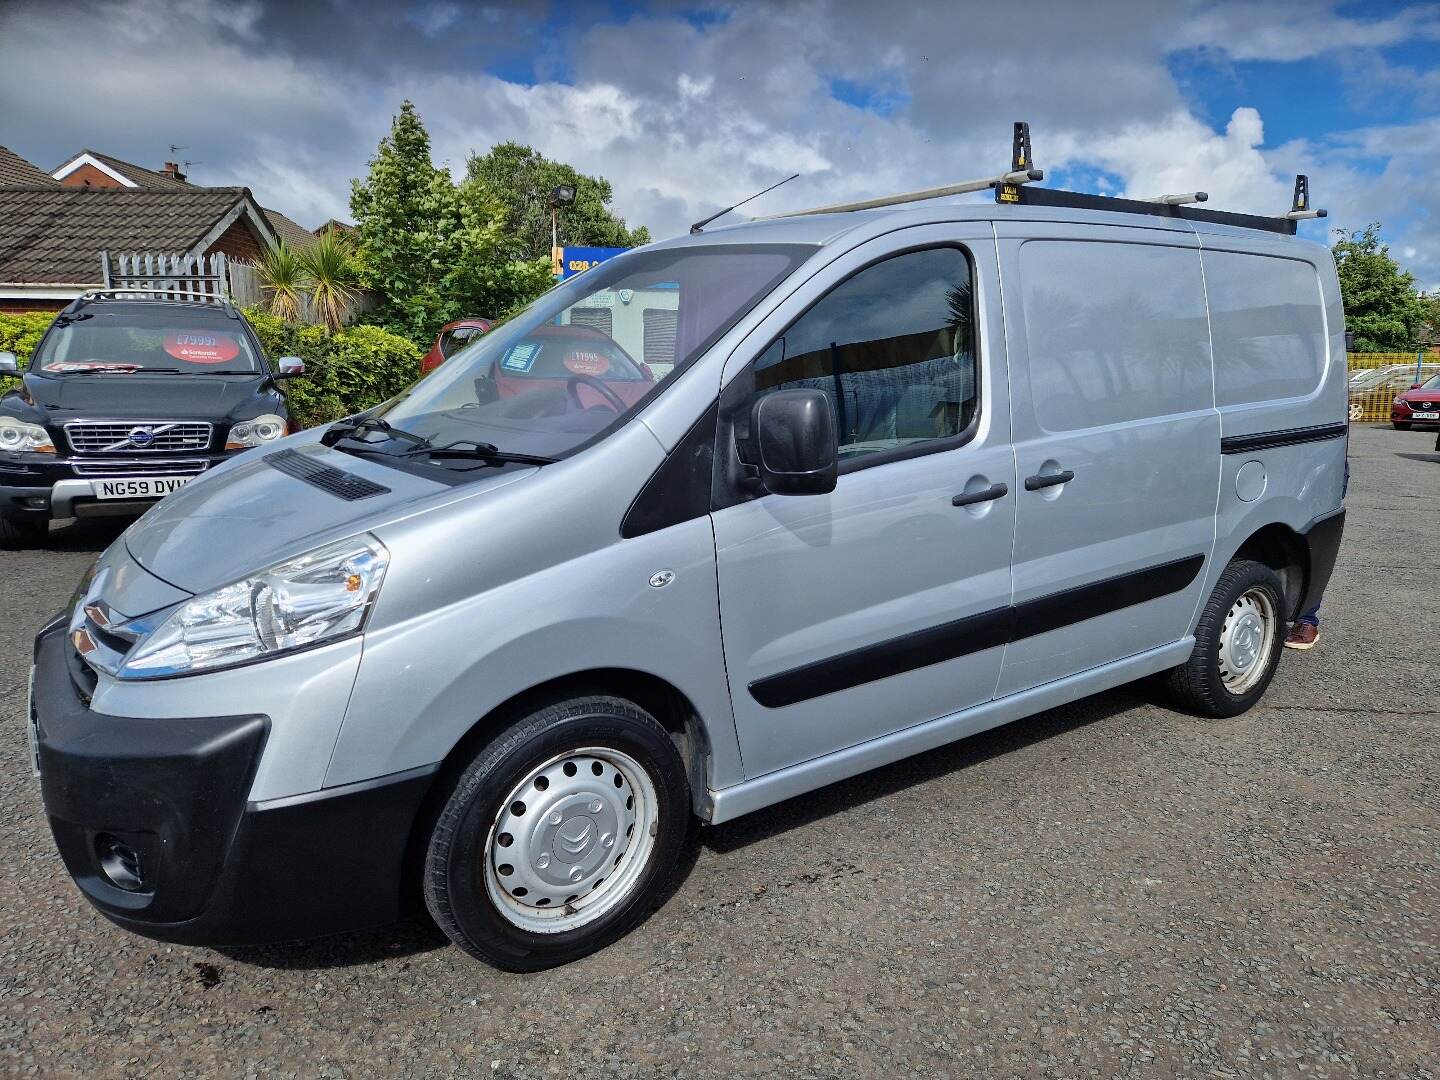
{"type": "Point", "coordinates": [345, 372]}
{"type": "Point", "coordinates": [353, 369]}
{"type": "Point", "coordinates": [21, 333]}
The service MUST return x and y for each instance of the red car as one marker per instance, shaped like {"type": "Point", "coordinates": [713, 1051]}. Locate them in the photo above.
{"type": "Point", "coordinates": [452, 338]}
{"type": "Point", "coordinates": [578, 360]}
{"type": "Point", "coordinates": [1418, 407]}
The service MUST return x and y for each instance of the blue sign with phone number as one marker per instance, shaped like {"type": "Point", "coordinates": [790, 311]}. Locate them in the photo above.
{"type": "Point", "coordinates": [576, 260]}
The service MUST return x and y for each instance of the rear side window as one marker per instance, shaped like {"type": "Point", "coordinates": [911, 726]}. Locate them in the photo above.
{"type": "Point", "coordinates": [1116, 332]}
{"type": "Point", "coordinates": [894, 349]}
{"type": "Point", "coordinates": [452, 341]}
{"type": "Point", "coordinates": [1268, 324]}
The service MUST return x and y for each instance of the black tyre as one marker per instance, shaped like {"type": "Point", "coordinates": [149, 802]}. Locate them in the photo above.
{"type": "Point", "coordinates": [15, 535]}
{"type": "Point", "coordinates": [560, 835]}
{"type": "Point", "coordinates": [1238, 642]}
{"type": "Point", "coordinates": [1400, 426]}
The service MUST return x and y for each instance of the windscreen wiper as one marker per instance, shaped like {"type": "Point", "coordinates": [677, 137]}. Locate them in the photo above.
{"type": "Point", "coordinates": [353, 429]}
{"type": "Point", "coordinates": [472, 448]}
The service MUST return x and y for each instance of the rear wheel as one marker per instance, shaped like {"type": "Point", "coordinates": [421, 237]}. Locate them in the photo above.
{"type": "Point", "coordinates": [1237, 643]}
{"type": "Point", "coordinates": [19, 533]}
{"type": "Point", "coordinates": [560, 836]}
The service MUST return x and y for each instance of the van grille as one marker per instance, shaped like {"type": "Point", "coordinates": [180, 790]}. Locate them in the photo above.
{"type": "Point", "coordinates": [106, 436]}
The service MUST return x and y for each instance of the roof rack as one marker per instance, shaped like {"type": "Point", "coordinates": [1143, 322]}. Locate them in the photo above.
{"type": "Point", "coordinates": [1020, 172]}
{"type": "Point", "coordinates": [92, 295]}
{"type": "Point", "coordinates": [1016, 188]}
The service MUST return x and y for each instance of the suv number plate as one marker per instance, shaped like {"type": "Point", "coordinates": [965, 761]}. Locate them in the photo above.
{"type": "Point", "coordinates": [140, 487]}
{"type": "Point", "coordinates": [1425, 416]}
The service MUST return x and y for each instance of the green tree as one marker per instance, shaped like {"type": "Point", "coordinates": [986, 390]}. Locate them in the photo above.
{"type": "Point", "coordinates": [433, 250]}
{"type": "Point", "coordinates": [522, 179]}
{"type": "Point", "coordinates": [1382, 305]}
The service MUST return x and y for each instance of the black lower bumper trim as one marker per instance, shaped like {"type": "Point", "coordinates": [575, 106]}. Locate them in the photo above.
{"type": "Point", "coordinates": [1322, 537]}
{"type": "Point", "coordinates": [170, 795]}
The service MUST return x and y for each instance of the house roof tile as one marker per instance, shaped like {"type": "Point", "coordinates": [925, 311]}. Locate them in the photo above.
{"type": "Point", "coordinates": [137, 174]}
{"type": "Point", "coordinates": [55, 234]}
{"type": "Point", "coordinates": [15, 170]}
{"type": "Point", "coordinates": [292, 232]}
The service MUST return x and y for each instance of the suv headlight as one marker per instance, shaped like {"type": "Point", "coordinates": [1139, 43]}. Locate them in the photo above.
{"type": "Point", "coordinates": [315, 598]}
{"type": "Point", "coordinates": [257, 432]}
{"type": "Point", "coordinates": [16, 435]}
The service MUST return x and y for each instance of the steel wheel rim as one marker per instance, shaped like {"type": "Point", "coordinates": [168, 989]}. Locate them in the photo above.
{"type": "Point", "coordinates": [1247, 640]}
{"type": "Point", "coordinates": [571, 840]}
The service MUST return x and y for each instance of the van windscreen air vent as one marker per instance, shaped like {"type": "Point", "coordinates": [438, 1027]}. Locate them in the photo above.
{"type": "Point", "coordinates": [341, 484]}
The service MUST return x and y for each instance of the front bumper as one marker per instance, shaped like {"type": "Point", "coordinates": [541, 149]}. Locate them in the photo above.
{"type": "Point", "coordinates": [209, 868]}
{"type": "Point", "coordinates": [42, 486]}
{"type": "Point", "coordinates": [1406, 415]}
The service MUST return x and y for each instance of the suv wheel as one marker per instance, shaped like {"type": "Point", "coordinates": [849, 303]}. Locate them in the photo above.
{"type": "Point", "coordinates": [1400, 425]}
{"type": "Point", "coordinates": [17, 534]}
{"type": "Point", "coordinates": [559, 836]}
{"type": "Point", "coordinates": [1238, 642]}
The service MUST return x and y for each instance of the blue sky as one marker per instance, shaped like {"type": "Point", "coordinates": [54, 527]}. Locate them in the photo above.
{"type": "Point", "coordinates": [687, 107]}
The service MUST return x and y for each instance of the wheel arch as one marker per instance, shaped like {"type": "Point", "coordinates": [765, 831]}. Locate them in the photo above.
{"type": "Point", "coordinates": [660, 698]}
{"type": "Point", "coordinates": [1285, 551]}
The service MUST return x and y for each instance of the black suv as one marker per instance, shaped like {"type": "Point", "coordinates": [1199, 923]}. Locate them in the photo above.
{"type": "Point", "coordinates": [125, 399]}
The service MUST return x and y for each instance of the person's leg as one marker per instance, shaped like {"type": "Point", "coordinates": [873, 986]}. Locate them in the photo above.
{"type": "Point", "coordinates": [1304, 631]}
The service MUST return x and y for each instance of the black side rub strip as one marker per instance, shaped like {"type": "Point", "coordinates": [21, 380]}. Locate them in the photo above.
{"type": "Point", "coordinates": [973, 634]}
{"type": "Point", "coordinates": [1266, 440]}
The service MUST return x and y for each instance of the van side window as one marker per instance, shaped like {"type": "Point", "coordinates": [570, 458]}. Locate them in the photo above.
{"type": "Point", "coordinates": [893, 347]}
{"type": "Point", "coordinates": [1269, 327]}
{"type": "Point", "coordinates": [1116, 332]}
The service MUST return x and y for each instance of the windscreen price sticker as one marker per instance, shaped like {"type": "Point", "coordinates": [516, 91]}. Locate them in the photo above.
{"type": "Point", "coordinates": [202, 348]}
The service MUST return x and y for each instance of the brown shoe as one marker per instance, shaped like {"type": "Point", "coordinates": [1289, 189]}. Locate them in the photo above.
{"type": "Point", "coordinates": [1303, 635]}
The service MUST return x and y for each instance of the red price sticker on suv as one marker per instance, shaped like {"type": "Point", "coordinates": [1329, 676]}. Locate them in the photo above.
{"type": "Point", "coordinates": [202, 348]}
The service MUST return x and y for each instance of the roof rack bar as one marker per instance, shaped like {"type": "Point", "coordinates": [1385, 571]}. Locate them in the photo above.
{"type": "Point", "coordinates": [1180, 200]}
{"type": "Point", "coordinates": [1023, 176]}
{"type": "Point", "coordinates": [1021, 171]}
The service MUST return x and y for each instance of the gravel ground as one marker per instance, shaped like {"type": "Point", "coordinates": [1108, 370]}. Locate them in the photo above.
{"type": "Point", "coordinates": [1106, 889]}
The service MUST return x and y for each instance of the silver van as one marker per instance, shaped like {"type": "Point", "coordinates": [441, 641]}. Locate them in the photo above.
{"type": "Point", "coordinates": [709, 526]}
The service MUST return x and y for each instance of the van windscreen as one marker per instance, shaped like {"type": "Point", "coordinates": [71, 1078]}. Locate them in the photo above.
{"type": "Point", "coordinates": [577, 363]}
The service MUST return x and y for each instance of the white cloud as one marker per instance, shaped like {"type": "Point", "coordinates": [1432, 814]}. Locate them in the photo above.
{"type": "Point", "coordinates": [1297, 29]}
{"type": "Point", "coordinates": [684, 117]}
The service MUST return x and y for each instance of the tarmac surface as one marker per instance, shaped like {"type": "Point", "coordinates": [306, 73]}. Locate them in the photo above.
{"type": "Point", "coordinates": [1107, 889]}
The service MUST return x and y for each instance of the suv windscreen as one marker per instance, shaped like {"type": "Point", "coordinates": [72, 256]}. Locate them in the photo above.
{"type": "Point", "coordinates": [557, 375]}
{"type": "Point", "coordinates": [154, 337]}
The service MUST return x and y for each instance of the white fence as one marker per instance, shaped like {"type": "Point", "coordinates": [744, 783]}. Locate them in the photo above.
{"type": "Point", "coordinates": [179, 277]}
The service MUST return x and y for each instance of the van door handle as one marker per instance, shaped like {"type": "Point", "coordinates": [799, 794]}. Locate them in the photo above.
{"type": "Point", "coordinates": [1044, 480]}
{"type": "Point", "coordinates": [994, 491]}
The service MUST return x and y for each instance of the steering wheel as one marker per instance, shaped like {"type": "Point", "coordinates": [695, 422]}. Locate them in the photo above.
{"type": "Point", "coordinates": [614, 400]}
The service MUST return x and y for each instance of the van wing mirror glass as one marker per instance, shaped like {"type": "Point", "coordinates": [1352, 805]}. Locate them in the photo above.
{"type": "Point", "coordinates": [289, 367]}
{"type": "Point", "coordinates": [795, 443]}
{"type": "Point", "coordinates": [8, 364]}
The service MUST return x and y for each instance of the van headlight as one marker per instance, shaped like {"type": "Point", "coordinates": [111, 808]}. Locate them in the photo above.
{"type": "Point", "coordinates": [257, 432]}
{"type": "Point", "coordinates": [16, 435]}
{"type": "Point", "coordinates": [315, 598]}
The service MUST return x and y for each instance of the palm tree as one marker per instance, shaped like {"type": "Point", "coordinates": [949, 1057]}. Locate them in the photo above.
{"type": "Point", "coordinates": [333, 277]}
{"type": "Point", "coordinates": [282, 281]}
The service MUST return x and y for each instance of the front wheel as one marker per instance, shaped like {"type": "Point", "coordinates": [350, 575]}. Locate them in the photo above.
{"type": "Point", "coordinates": [560, 836]}
{"type": "Point", "coordinates": [1237, 643]}
{"type": "Point", "coordinates": [1400, 425]}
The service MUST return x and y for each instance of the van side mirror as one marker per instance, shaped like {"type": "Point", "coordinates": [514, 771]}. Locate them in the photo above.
{"type": "Point", "coordinates": [1414, 386]}
{"type": "Point", "coordinates": [289, 367]}
{"type": "Point", "coordinates": [9, 365]}
{"type": "Point", "coordinates": [794, 441]}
